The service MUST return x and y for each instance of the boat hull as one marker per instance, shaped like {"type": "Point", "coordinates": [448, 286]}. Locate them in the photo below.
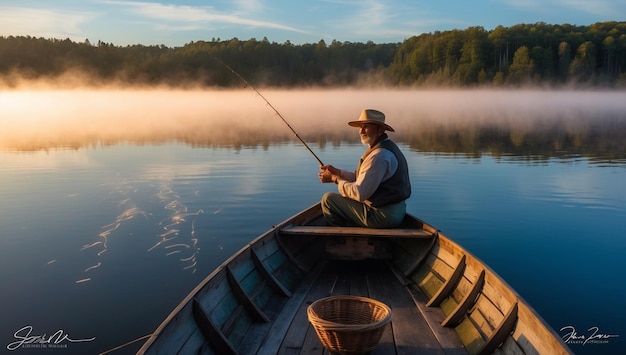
{"type": "Point", "coordinates": [443, 299]}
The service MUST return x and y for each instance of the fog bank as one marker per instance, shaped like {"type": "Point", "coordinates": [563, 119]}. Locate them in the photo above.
{"type": "Point", "coordinates": [45, 119]}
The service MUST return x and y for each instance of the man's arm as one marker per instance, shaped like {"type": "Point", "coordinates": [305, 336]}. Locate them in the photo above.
{"type": "Point", "coordinates": [379, 166]}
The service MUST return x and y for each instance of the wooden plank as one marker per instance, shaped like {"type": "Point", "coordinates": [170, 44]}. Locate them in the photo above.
{"type": "Point", "coordinates": [534, 336]}
{"type": "Point", "coordinates": [502, 332]}
{"type": "Point", "coordinates": [449, 304]}
{"type": "Point", "coordinates": [355, 232]}
{"type": "Point", "coordinates": [182, 331]}
{"type": "Point", "coordinates": [477, 334]}
{"type": "Point", "coordinates": [224, 311]}
{"type": "Point", "coordinates": [498, 292]}
{"type": "Point", "coordinates": [357, 277]}
{"type": "Point", "coordinates": [426, 278]}
{"type": "Point", "coordinates": [296, 335]}
{"type": "Point", "coordinates": [290, 256]}
{"type": "Point", "coordinates": [375, 280]}
{"type": "Point", "coordinates": [411, 332]}
{"type": "Point", "coordinates": [283, 336]}
{"type": "Point", "coordinates": [466, 303]}
{"type": "Point", "coordinates": [289, 276]}
{"type": "Point", "coordinates": [356, 248]}
{"type": "Point", "coordinates": [244, 298]}
{"type": "Point", "coordinates": [486, 316]}
{"type": "Point", "coordinates": [214, 295]}
{"type": "Point", "coordinates": [342, 280]}
{"type": "Point", "coordinates": [210, 331]}
{"type": "Point", "coordinates": [196, 344]}
{"type": "Point", "coordinates": [420, 259]}
{"type": "Point", "coordinates": [442, 268]}
{"type": "Point", "coordinates": [510, 347]}
{"type": "Point", "coordinates": [449, 252]}
{"type": "Point", "coordinates": [449, 285]}
{"type": "Point", "coordinates": [448, 338]}
{"type": "Point", "coordinates": [338, 285]}
{"type": "Point", "coordinates": [266, 247]}
{"type": "Point", "coordinates": [265, 338]}
{"type": "Point", "coordinates": [257, 333]}
{"type": "Point", "coordinates": [262, 295]}
{"type": "Point", "coordinates": [430, 282]}
{"type": "Point", "coordinates": [269, 277]}
{"type": "Point", "coordinates": [179, 332]}
{"type": "Point", "coordinates": [279, 263]}
{"type": "Point", "coordinates": [312, 344]}
{"type": "Point", "coordinates": [274, 261]}
{"type": "Point", "coordinates": [462, 288]}
{"type": "Point", "coordinates": [304, 251]}
{"type": "Point", "coordinates": [470, 336]}
{"type": "Point", "coordinates": [237, 327]}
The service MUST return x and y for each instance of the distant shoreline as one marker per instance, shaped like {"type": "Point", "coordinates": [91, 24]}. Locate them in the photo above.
{"type": "Point", "coordinates": [526, 55]}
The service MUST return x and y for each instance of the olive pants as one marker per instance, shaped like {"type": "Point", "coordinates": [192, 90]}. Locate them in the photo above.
{"type": "Point", "coordinates": [343, 211]}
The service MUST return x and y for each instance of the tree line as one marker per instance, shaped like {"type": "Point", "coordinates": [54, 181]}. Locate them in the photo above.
{"type": "Point", "coordinates": [525, 54]}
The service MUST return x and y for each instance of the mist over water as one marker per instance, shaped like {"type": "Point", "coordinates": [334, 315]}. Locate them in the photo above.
{"type": "Point", "coordinates": [458, 121]}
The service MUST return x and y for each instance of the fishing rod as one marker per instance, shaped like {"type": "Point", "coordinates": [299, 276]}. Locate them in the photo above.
{"type": "Point", "coordinates": [271, 106]}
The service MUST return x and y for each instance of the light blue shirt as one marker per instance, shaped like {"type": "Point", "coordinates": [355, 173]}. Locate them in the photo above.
{"type": "Point", "coordinates": [377, 167]}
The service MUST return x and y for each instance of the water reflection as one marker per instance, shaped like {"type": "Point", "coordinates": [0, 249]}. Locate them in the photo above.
{"type": "Point", "coordinates": [599, 139]}
{"type": "Point", "coordinates": [172, 226]}
{"type": "Point", "coordinates": [510, 125]}
{"type": "Point", "coordinates": [163, 213]}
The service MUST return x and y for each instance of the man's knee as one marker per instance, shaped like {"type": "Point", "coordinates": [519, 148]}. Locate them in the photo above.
{"type": "Point", "coordinates": [327, 195]}
{"type": "Point", "coordinates": [327, 201]}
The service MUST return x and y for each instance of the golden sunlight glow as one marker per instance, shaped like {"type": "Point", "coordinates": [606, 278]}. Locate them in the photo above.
{"type": "Point", "coordinates": [42, 119]}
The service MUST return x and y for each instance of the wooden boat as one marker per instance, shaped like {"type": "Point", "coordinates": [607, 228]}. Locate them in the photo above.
{"type": "Point", "coordinates": [443, 299]}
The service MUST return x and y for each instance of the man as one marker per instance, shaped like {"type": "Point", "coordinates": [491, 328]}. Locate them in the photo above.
{"type": "Point", "coordinates": [374, 195]}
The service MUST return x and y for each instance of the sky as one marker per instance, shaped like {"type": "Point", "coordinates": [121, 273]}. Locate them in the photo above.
{"type": "Point", "coordinates": [175, 23]}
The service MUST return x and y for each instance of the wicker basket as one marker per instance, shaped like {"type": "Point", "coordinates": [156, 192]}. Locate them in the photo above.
{"type": "Point", "coordinates": [349, 324]}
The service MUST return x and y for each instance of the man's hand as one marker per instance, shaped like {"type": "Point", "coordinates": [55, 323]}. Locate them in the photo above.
{"type": "Point", "coordinates": [328, 174]}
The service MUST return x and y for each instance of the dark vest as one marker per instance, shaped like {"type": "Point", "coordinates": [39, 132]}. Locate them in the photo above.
{"type": "Point", "coordinates": [398, 187]}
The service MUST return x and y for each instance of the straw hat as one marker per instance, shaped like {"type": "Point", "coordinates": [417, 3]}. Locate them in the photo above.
{"type": "Point", "coordinates": [371, 116]}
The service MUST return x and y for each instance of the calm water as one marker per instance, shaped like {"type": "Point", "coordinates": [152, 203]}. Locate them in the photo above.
{"type": "Point", "coordinates": [101, 236]}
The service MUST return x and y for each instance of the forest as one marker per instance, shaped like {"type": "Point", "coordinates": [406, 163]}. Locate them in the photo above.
{"type": "Point", "coordinates": [537, 54]}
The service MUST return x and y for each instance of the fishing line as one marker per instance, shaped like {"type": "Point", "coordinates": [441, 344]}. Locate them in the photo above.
{"type": "Point", "coordinates": [126, 344]}
{"type": "Point", "coordinates": [270, 105]}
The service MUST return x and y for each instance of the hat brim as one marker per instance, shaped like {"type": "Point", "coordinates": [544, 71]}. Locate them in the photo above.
{"type": "Point", "coordinates": [360, 122]}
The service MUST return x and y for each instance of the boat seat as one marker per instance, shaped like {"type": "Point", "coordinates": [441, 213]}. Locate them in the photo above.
{"type": "Point", "coordinates": [355, 232]}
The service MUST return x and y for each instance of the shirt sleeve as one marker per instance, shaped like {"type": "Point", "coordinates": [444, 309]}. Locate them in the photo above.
{"type": "Point", "coordinates": [377, 167]}
{"type": "Point", "coordinates": [347, 175]}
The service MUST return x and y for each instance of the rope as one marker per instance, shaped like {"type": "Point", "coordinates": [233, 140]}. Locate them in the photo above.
{"type": "Point", "coordinates": [125, 345]}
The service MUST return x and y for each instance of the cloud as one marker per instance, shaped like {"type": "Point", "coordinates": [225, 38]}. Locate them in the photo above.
{"type": "Point", "coordinates": [367, 20]}
{"type": "Point", "coordinates": [373, 13]}
{"type": "Point", "coordinates": [42, 22]}
{"type": "Point", "coordinates": [199, 14]}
